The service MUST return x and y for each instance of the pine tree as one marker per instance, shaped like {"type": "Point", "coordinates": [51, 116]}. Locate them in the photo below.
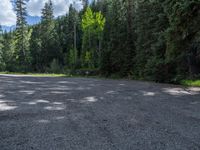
{"type": "Point", "coordinates": [8, 51]}
{"type": "Point", "coordinates": [1, 38]}
{"type": "Point", "coordinates": [2, 64]}
{"type": "Point", "coordinates": [118, 38]}
{"type": "Point", "coordinates": [73, 21]}
{"type": "Point", "coordinates": [36, 49]}
{"type": "Point", "coordinates": [72, 28]}
{"type": "Point", "coordinates": [21, 35]}
{"type": "Point", "coordinates": [47, 12]}
{"type": "Point", "coordinates": [50, 46]}
{"type": "Point", "coordinates": [131, 37]}
{"type": "Point", "coordinates": [182, 37]}
{"type": "Point", "coordinates": [85, 4]}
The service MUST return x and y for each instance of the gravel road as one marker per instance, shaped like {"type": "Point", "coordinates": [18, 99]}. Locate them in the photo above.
{"type": "Point", "coordinates": [43, 113]}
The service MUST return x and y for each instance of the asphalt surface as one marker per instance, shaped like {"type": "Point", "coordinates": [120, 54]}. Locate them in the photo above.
{"type": "Point", "coordinates": [40, 113]}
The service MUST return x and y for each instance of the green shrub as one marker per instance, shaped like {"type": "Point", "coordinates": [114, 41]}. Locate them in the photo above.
{"type": "Point", "coordinates": [54, 67]}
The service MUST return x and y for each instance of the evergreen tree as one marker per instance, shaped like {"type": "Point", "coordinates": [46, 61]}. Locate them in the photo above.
{"type": "Point", "coordinates": [150, 39]}
{"type": "Point", "coordinates": [36, 49]}
{"type": "Point", "coordinates": [50, 45]}
{"type": "Point", "coordinates": [2, 63]}
{"type": "Point", "coordinates": [182, 36]}
{"type": "Point", "coordinates": [1, 38]}
{"type": "Point", "coordinates": [21, 39]}
{"type": "Point", "coordinates": [118, 38]}
{"type": "Point", "coordinates": [8, 51]}
{"type": "Point", "coordinates": [72, 28]}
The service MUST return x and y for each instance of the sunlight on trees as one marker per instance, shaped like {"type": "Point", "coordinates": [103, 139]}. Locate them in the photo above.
{"type": "Point", "coordinates": [93, 26]}
{"type": "Point", "coordinates": [149, 40]}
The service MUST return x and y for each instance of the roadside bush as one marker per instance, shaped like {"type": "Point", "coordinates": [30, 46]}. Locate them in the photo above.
{"type": "Point", "coordinates": [54, 67]}
{"type": "Point", "coordinates": [158, 70]}
{"type": "Point", "coordinates": [85, 72]}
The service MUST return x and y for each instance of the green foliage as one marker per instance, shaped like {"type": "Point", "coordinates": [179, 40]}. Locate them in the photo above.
{"type": "Point", "coordinates": [93, 25]}
{"type": "Point", "coordinates": [93, 22]}
{"type": "Point", "coordinates": [181, 34]}
{"type": "Point", "coordinates": [88, 60]}
{"type": "Point", "coordinates": [99, 22]}
{"type": "Point", "coordinates": [150, 42]}
{"type": "Point", "coordinates": [155, 70]}
{"type": "Point", "coordinates": [54, 67]}
{"type": "Point", "coordinates": [191, 82]}
{"type": "Point", "coordinates": [22, 37]}
{"type": "Point", "coordinates": [50, 45]}
{"type": "Point", "coordinates": [155, 40]}
{"type": "Point", "coordinates": [2, 63]}
{"type": "Point", "coordinates": [120, 52]}
{"type": "Point", "coordinates": [8, 52]}
{"type": "Point", "coordinates": [73, 58]}
{"type": "Point", "coordinates": [36, 49]}
{"type": "Point", "coordinates": [37, 74]}
{"type": "Point", "coordinates": [88, 20]}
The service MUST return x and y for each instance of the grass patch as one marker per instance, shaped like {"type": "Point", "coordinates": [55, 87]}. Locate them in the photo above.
{"type": "Point", "coordinates": [183, 82]}
{"type": "Point", "coordinates": [36, 74]}
{"type": "Point", "coordinates": [191, 82]}
{"type": "Point", "coordinates": [67, 75]}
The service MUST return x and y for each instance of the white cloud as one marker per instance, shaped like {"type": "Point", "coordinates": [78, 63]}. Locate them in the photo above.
{"type": "Point", "coordinates": [7, 14]}
{"type": "Point", "coordinates": [61, 7]}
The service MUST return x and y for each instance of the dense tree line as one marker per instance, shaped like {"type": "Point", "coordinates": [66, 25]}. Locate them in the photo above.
{"type": "Point", "coordinates": [141, 39]}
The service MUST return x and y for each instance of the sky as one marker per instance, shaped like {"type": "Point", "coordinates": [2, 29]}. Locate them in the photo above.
{"type": "Point", "coordinates": [8, 16]}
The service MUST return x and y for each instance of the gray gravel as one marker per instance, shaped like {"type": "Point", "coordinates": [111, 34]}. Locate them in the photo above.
{"type": "Point", "coordinates": [40, 113]}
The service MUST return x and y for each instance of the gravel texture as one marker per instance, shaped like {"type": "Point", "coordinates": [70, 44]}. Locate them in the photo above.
{"type": "Point", "coordinates": [43, 113]}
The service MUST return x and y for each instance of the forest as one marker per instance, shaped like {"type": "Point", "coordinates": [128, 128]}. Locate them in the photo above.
{"type": "Point", "coordinates": [156, 40]}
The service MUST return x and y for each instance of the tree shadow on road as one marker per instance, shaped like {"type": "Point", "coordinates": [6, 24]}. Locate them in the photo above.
{"type": "Point", "coordinates": [103, 109]}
